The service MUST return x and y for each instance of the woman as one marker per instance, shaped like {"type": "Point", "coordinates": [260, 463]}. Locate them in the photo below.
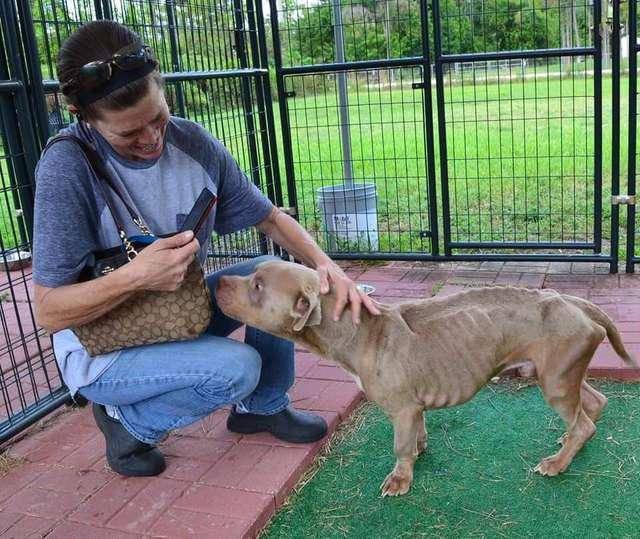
{"type": "Point", "coordinates": [161, 163]}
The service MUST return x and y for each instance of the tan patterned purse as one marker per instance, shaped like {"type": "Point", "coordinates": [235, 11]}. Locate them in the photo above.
{"type": "Point", "coordinates": [147, 317]}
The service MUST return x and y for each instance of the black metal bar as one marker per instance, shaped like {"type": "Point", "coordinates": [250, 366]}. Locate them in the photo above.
{"type": "Point", "coordinates": [615, 130]}
{"type": "Point", "coordinates": [489, 257]}
{"type": "Point", "coordinates": [597, 127]}
{"type": "Point", "coordinates": [442, 128]}
{"type": "Point", "coordinates": [268, 104]}
{"type": "Point", "coordinates": [107, 9]}
{"type": "Point", "coordinates": [97, 7]}
{"type": "Point", "coordinates": [516, 55]}
{"type": "Point", "coordinates": [11, 86]}
{"type": "Point", "coordinates": [175, 54]}
{"type": "Point", "coordinates": [519, 245]}
{"type": "Point", "coordinates": [34, 78]}
{"type": "Point", "coordinates": [350, 66]}
{"type": "Point", "coordinates": [428, 127]}
{"type": "Point", "coordinates": [201, 75]}
{"type": "Point", "coordinates": [27, 417]}
{"type": "Point", "coordinates": [632, 133]}
{"type": "Point", "coordinates": [247, 103]}
{"type": "Point", "coordinates": [53, 85]}
{"type": "Point", "coordinates": [285, 126]}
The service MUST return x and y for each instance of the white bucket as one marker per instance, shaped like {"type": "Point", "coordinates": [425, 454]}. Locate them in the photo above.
{"type": "Point", "coordinates": [349, 216]}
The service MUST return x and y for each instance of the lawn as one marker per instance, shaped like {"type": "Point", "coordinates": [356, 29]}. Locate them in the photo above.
{"type": "Point", "coordinates": [476, 478]}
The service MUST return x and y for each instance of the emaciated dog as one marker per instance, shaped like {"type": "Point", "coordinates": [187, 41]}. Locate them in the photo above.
{"type": "Point", "coordinates": [438, 352]}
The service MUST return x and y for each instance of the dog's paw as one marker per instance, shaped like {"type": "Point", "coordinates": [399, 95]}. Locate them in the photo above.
{"type": "Point", "coordinates": [551, 466]}
{"type": "Point", "coordinates": [395, 485]}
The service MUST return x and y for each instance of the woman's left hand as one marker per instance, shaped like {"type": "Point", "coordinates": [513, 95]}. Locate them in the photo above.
{"type": "Point", "coordinates": [346, 291]}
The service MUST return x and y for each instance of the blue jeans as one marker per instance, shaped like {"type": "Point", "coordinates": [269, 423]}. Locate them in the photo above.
{"type": "Point", "coordinates": [161, 387]}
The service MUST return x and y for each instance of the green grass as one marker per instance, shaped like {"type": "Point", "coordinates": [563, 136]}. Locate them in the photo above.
{"type": "Point", "coordinates": [476, 478]}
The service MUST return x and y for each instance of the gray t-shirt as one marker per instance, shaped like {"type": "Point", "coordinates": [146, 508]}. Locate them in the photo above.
{"type": "Point", "coordinates": [72, 219]}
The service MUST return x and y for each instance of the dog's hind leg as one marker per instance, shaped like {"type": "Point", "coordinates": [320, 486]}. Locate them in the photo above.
{"type": "Point", "coordinates": [593, 401]}
{"type": "Point", "coordinates": [561, 384]}
{"type": "Point", "coordinates": [407, 424]}
{"type": "Point", "coordinates": [421, 442]}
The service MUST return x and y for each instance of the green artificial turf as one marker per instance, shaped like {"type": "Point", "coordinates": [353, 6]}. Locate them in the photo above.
{"type": "Point", "coordinates": [476, 478]}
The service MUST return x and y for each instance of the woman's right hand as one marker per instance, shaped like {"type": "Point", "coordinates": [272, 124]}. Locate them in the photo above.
{"type": "Point", "coordinates": [163, 264]}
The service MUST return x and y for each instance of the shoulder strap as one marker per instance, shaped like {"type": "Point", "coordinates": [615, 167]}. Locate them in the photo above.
{"type": "Point", "coordinates": [101, 172]}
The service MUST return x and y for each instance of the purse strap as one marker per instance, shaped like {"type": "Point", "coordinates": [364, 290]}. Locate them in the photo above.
{"type": "Point", "coordinates": [98, 167]}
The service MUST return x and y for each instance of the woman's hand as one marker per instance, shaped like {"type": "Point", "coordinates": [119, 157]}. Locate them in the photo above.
{"type": "Point", "coordinates": [163, 264]}
{"type": "Point", "coordinates": [346, 292]}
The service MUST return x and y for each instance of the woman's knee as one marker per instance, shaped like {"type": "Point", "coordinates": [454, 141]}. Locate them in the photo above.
{"type": "Point", "coordinates": [245, 369]}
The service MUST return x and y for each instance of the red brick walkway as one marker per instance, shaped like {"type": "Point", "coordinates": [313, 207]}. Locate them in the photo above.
{"type": "Point", "coordinates": [219, 484]}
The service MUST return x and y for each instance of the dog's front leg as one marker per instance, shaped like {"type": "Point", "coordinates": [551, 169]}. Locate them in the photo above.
{"type": "Point", "coordinates": [407, 423]}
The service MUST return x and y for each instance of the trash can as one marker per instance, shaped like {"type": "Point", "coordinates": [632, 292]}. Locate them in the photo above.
{"type": "Point", "coordinates": [350, 216]}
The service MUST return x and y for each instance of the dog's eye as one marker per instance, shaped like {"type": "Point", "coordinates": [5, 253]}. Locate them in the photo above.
{"type": "Point", "coordinates": [257, 286]}
{"type": "Point", "coordinates": [305, 302]}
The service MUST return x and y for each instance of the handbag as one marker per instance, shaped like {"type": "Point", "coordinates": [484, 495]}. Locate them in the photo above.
{"type": "Point", "coordinates": [148, 316]}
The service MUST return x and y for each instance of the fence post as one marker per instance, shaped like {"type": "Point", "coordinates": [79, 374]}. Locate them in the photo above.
{"type": "Point", "coordinates": [33, 80]}
{"type": "Point", "coordinates": [285, 126]}
{"type": "Point", "coordinates": [633, 126]}
{"type": "Point", "coordinates": [428, 126]}
{"type": "Point", "coordinates": [247, 105]}
{"type": "Point", "coordinates": [175, 56]}
{"type": "Point", "coordinates": [615, 132]}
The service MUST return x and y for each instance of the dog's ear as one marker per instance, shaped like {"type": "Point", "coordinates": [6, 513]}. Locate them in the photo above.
{"type": "Point", "coordinates": [306, 311]}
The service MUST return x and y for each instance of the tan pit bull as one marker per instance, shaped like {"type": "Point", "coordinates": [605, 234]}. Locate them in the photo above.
{"type": "Point", "coordinates": [438, 352]}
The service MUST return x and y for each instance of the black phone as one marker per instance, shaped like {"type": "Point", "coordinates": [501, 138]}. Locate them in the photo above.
{"type": "Point", "coordinates": [199, 212]}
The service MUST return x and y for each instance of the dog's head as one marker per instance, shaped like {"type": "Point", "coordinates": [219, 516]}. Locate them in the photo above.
{"type": "Point", "coordinates": [279, 297]}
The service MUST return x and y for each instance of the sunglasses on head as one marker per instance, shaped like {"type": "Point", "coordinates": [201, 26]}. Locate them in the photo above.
{"type": "Point", "coordinates": [96, 73]}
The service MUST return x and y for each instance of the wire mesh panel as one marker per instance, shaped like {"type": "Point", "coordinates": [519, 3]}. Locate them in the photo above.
{"type": "Point", "coordinates": [387, 150]}
{"type": "Point", "coordinates": [29, 378]}
{"type": "Point", "coordinates": [519, 95]}
{"type": "Point", "coordinates": [504, 25]}
{"type": "Point", "coordinates": [371, 31]}
{"type": "Point", "coordinates": [356, 118]}
{"type": "Point", "coordinates": [520, 154]}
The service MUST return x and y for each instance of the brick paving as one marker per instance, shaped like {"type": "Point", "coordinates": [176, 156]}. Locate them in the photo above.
{"type": "Point", "coordinates": [219, 484]}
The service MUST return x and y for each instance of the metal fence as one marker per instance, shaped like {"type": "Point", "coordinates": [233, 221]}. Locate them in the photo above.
{"type": "Point", "coordinates": [215, 66]}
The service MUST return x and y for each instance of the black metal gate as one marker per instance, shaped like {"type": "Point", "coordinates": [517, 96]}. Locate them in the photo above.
{"type": "Point", "coordinates": [519, 128]}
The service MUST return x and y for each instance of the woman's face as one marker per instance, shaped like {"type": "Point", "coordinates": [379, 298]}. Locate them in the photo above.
{"type": "Point", "coordinates": [137, 133]}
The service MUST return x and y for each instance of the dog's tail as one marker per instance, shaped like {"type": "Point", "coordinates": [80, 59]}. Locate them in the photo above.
{"type": "Point", "coordinates": [600, 317]}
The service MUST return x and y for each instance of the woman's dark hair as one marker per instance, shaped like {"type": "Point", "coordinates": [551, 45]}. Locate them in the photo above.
{"type": "Point", "coordinates": [99, 40]}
